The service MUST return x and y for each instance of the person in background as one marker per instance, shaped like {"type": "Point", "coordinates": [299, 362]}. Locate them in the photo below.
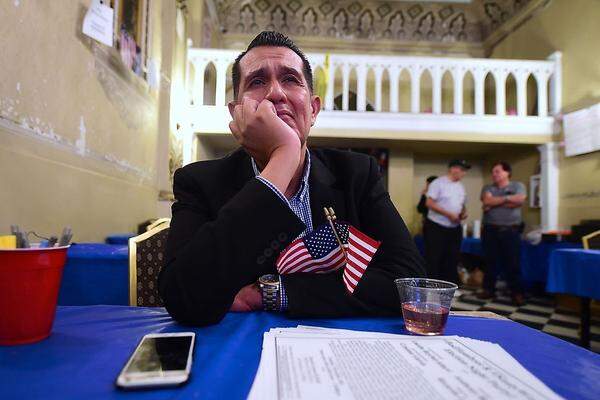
{"type": "Point", "coordinates": [422, 207]}
{"type": "Point", "coordinates": [502, 226]}
{"type": "Point", "coordinates": [446, 200]}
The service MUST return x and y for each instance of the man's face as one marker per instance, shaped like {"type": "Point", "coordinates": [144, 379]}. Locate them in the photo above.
{"type": "Point", "coordinates": [499, 175]}
{"type": "Point", "coordinates": [275, 74]}
{"type": "Point", "coordinates": [457, 173]}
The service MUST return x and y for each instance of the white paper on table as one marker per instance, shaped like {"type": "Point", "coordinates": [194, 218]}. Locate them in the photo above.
{"type": "Point", "coordinates": [312, 362]}
{"type": "Point", "coordinates": [98, 23]}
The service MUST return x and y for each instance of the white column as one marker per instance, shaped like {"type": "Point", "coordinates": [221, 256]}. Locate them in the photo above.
{"type": "Point", "coordinates": [394, 81]}
{"type": "Point", "coordinates": [479, 77]}
{"type": "Point", "coordinates": [556, 84]}
{"type": "Point", "coordinates": [457, 78]}
{"type": "Point", "coordinates": [221, 89]}
{"type": "Point", "coordinates": [330, 84]}
{"type": "Point", "coordinates": [549, 186]}
{"type": "Point", "coordinates": [378, 79]}
{"type": "Point", "coordinates": [436, 95]}
{"type": "Point", "coordinates": [198, 86]}
{"type": "Point", "coordinates": [415, 89]}
{"type": "Point", "coordinates": [521, 78]}
{"type": "Point", "coordinates": [345, 87]}
{"type": "Point", "coordinates": [542, 93]}
{"type": "Point", "coordinates": [361, 87]}
{"type": "Point", "coordinates": [500, 80]}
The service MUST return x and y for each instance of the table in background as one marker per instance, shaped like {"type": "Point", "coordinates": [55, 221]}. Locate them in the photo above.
{"type": "Point", "coordinates": [89, 346]}
{"type": "Point", "coordinates": [95, 273]}
{"type": "Point", "coordinates": [122, 238]}
{"type": "Point", "coordinates": [469, 245]}
{"type": "Point", "coordinates": [576, 272]}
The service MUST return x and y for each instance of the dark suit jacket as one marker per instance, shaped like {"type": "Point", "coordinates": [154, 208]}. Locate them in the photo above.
{"type": "Point", "coordinates": [228, 229]}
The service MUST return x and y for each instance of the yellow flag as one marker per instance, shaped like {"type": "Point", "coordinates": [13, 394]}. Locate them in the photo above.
{"type": "Point", "coordinates": [8, 242]}
{"type": "Point", "coordinates": [322, 79]}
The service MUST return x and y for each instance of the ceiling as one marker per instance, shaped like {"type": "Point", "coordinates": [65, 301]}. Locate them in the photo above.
{"type": "Point", "coordinates": [394, 24]}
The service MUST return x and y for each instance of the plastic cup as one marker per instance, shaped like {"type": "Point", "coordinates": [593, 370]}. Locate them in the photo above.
{"type": "Point", "coordinates": [425, 304]}
{"type": "Point", "coordinates": [29, 283]}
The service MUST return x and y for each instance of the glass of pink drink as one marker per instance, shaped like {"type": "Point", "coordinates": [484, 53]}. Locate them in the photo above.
{"type": "Point", "coordinates": [425, 304]}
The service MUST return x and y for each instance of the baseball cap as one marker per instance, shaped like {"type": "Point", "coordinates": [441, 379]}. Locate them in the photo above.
{"type": "Point", "coordinates": [459, 163]}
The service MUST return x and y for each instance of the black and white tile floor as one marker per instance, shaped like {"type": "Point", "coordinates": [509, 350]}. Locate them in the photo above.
{"type": "Point", "coordinates": [538, 313]}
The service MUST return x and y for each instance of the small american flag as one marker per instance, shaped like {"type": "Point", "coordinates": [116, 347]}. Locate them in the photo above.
{"type": "Point", "coordinates": [319, 252]}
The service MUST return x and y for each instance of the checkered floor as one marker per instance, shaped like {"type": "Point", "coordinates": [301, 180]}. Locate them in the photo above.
{"type": "Point", "coordinates": [538, 312]}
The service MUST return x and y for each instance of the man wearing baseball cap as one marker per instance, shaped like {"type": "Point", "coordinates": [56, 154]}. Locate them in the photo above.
{"type": "Point", "coordinates": [446, 199]}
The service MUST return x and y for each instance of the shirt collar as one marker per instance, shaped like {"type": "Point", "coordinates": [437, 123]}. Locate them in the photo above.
{"type": "Point", "coordinates": [303, 189]}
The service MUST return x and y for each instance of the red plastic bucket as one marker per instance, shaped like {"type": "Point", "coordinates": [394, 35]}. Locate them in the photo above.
{"type": "Point", "coordinates": [29, 283]}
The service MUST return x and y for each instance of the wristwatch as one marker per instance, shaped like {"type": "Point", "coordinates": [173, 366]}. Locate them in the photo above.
{"type": "Point", "coordinates": [270, 289]}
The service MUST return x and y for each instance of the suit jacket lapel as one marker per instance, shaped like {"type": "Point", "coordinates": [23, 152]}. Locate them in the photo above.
{"type": "Point", "coordinates": [323, 192]}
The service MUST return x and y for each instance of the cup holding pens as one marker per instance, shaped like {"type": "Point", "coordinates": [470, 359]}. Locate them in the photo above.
{"type": "Point", "coordinates": [29, 283]}
{"type": "Point", "coordinates": [425, 304]}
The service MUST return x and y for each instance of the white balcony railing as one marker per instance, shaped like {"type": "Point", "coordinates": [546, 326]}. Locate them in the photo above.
{"type": "Point", "coordinates": [214, 118]}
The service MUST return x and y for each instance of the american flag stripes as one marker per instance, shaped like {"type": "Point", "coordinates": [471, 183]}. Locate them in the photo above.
{"type": "Point", "coordinates": [319, 252]}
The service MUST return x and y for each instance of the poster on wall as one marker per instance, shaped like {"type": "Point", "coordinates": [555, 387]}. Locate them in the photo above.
{"type": "Point", "coordinates": [582, 131]}
{"type": "Point", "coordinates": [98, 23]}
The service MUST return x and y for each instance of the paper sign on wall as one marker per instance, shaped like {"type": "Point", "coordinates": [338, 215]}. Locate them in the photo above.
{"type": "Point", "coordinates": [98, 23]}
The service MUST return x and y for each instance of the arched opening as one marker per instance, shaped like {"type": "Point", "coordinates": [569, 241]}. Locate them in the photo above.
{"type": "Point", "coordinates": [511, 95]}
{"type": "Point", "coordinates": [447, 93]}
{"type": "Point", "coordinates": [489, 95]}
{"type": "Point", "coordinates": [426, 87]}
{"type": "Point", "coordinates": [404, 91]}
{"type": "Point", "coordinates": [210, 85]}
{"type": "Point", "coordinates": [468, 93]}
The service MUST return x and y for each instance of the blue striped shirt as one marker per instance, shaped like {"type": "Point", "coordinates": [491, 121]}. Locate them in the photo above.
{"type": "Point", "coordinates": [299, 203]}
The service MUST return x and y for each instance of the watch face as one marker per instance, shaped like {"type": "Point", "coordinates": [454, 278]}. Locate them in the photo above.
{"type": "Point", "coordinates": [270, 279]}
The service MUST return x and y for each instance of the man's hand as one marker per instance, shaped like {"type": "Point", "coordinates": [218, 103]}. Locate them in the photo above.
{"type": "Point", "coordinates": [259, 130]}
{"type": "Point", "coordinates": [248, 299]}
{"type": "Point", "coordinates": [463, 215]}
{"type": "Point", "coordinates": [455, 218]}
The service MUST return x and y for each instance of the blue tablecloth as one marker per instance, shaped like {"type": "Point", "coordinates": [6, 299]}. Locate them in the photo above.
{"type": "Point", "coordinates": [535, 259]}
{"type": "Point", "coordinates": [575, 271]}
{"type": "Point", "coordinates": [119, 238]}
{"type": "Point", "coordinates": [89, 346]}
{"type": "Point", "coordinates": [471, 245]}
{"type": "Point", "coordinates": [95, 273]}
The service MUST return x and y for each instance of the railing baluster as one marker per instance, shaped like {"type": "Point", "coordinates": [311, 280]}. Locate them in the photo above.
{"type": "Point", "coordinates": [500, 80]}
{"type": "Point", "coordinates": [330, 85]}
{"type": "Point", "coordinates": [361, 87]}
{"type": "Point", "coordinates": [541, 78]}
{"type": "Point", "coordinates": [221, 89]}
{"type": "Point", "coordinates": [198, 91]}
{"type": "Point", "coordinates": [479, 77]}
{"type": "Point", "coordinates": [436, 95]}
{"type": "Point", "coordinates": [555, 83]}
{"type": "Point", "coordinates": [521, 79]}
{"type": "Point", "coordinates": [415, 88]}
{"type": "Point", "coordinates": [394, 72]}
{"type": "Point", "coordinates": [457, 81]}
{"type": "Point", "coordinates": [378, 80]}
{"type": "Point", "coordinates": [346, 86]}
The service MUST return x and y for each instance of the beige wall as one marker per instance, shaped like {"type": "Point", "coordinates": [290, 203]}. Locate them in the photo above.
{"type": "Point", "coordinates": [78, 132]}
{"type": "Point", "coordinates": [572, 27]}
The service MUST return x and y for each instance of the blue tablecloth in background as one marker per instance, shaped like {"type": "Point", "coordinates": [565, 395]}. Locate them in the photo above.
{"type": "Point", "coordinates": [89, 346]}
{"type": "Point", "coordinates": [469, 245]}
{"type": "Point", "coordinates": [535, 259]}
{"type": "Point", "coordinates": [95, 273]}
{"type": "Point", "coordinates": [576, 272]}
{"type": "Point", "coordinates": [122, 238]}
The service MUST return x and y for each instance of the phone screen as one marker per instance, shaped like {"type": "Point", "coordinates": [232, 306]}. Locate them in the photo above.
{"type": "Point", "coordinates": [161, 354]}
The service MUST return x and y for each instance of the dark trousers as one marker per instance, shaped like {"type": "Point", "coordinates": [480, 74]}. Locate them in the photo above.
{"type": "Point", "coordinates": [442, 251]}
{"type": "Point", "coordinates": [502, 247]}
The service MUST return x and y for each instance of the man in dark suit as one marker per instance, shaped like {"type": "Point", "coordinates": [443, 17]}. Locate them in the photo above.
{"type": "Point", "coordinates": [233, 216]}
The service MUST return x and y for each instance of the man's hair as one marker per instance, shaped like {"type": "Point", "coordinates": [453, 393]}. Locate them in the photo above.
{"type": "Point", "coordinates": [431, 178]}
{"type": "Point", "coordinates": [274, 39]}
{"type": "Point", "coordinates": [505, 166]}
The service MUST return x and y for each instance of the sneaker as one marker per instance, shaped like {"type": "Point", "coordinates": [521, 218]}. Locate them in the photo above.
{"type": "Point", "coordinates": [517, 299]}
